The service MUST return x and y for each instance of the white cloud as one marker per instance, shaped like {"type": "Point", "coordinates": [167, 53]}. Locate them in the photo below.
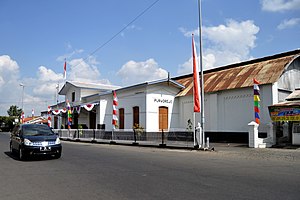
{"type": "Point", "coordinates": [80, 70]}
{"type": "Point", "coordinates": [40, 89]}
{"type": "Point", "coordinates": [280, 5]}
{"type": "Point", "coordinates": [132, 27]}
{"type": "Point", "coordinates": [235, 37]}
{"type": "Point", "coordinates": [69, 55]}
{"type": "Point", "coordinates": [288, 23]}
{"type": "Point", "coordinates": [46, 90]}
{"type": "Point", "coordinates": [45, 75]}
{"type": "Point", "coordinates": [225, 44]}
{"type": "Point", "coordinates": [9, 70]}
{"type": "Point", "coordinates": [137, 72]}
{"type": "Point", "coordinates": [9, 84]}
{"type": "Point", "coordinates": [209, 61]}
{"type": "Point", "coordinates": [188, 33]}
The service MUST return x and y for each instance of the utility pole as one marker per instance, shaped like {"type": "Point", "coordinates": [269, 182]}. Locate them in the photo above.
{"type": "Point", "coordinates": [22, 85]}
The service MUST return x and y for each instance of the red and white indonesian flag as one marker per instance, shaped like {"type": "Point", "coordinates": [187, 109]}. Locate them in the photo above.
{"type": "Point", "coordinates": [65, 70]}
{"type": "Point", "coordinates": [56, 112]}
{"type": "Point", "coordinates": [89, 107]}
{"type": "Point", "coordinates": [49, 121]}
{"type": "Point", "coordinates": [196, 78]}
{"type": "Point", "coordinates": [115, 104]}
{"type": "Point", "coordinates": [49, 109]}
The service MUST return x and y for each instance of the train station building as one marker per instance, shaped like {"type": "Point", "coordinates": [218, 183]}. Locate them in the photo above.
{"type": "Point", "coordinates": [168, 103]}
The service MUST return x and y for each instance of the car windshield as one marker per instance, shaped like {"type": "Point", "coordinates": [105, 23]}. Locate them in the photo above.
{"type": "Point", "coordinates": [36, 130]}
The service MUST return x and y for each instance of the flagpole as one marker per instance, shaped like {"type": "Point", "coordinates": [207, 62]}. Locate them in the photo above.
{"type": "Point", "coordinates": [65, 71]}
{"type": "Point", "coordinates": [202, 134]}
{"type": "Point", "coordinates": [114, 113]}
{"type": "Point", "coordinates": [194, 128]}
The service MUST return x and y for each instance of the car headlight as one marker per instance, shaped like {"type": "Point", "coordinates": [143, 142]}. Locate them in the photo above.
{"type": "Point", "coordinates": [57, 141]}
{"type": "Point", "coordinates": [28, 142]}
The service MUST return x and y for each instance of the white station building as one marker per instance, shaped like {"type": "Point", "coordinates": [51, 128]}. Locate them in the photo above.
{"type": "Point", "coordinates": [168, 104]}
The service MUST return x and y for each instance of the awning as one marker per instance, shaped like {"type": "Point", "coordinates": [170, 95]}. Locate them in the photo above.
{"type": "Point", "coordinates": [285, 111]}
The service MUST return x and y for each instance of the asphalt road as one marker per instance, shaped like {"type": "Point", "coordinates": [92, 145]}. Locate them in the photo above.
{"type": "Point", "coordinates": [98, 171]}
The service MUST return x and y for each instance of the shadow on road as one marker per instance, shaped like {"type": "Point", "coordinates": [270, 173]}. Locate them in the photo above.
{"type": "Point", "coordinates": [28, 159]}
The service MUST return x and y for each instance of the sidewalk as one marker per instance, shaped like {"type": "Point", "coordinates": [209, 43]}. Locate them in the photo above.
{"type": "Point", "coordinates": [238, 150]}
{"type": "Point", "coordinates": [281, 153]}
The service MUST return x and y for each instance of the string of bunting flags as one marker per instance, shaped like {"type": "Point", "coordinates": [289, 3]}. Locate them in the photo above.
{"type": "Point", "coordinates": [71, 110]}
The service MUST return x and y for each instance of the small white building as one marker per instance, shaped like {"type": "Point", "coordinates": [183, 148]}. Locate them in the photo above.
{"type": "Point", "coordinates": [168, 104]}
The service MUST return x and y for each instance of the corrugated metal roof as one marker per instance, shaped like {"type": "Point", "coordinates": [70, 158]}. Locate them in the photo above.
{"type": "Point", "coordinates": [286, 104]}
{"type": "Point", "coordinates": [266, 70]}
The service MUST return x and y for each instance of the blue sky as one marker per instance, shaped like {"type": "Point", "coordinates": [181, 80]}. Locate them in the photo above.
{"type": "Point", "coordinates": [127, 42]}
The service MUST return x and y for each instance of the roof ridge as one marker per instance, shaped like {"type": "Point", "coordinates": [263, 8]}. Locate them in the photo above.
{"type": "Point", "coordinates": [243, 63]}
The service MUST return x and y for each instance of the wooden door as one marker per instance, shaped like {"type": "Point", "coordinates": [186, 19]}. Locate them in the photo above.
{"type": "Point", "coordinates": [163, 118]}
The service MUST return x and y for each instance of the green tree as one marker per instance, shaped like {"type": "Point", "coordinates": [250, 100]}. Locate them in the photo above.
{"type": "Point", "coordinates": [7, 123]}
{"type": "Point", "coordinates": [14, 111]}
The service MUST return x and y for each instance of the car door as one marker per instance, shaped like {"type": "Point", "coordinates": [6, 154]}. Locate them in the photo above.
{"type": "Point", "coordinates": [15, 137]}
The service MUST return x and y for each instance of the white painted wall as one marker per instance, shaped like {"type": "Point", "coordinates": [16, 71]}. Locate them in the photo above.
{"type": "Point", "coordinates": [87, 92]}
{"type": "Point", "coordinates": [186, 110]}
{"type": "Point", "coordinates": [148, 98]}
{"type": "Point", "coordinates": [157, 96]}
{"type": "Point", "coordinates": [230, 110]}
{"type": "Point", "coordinates": [77, 95]}
{"type": "Point", "coordinates": [225, 111]}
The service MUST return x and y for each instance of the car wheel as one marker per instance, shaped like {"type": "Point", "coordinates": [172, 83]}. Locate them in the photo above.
{"type": "Point", "coordinates": [58, 155]}
{"type": "Point", "coordinates": [21, 154]}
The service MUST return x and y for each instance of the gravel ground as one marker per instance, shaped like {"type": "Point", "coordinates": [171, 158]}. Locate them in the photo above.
{"type": "Point", "coordinates": [291, 153]}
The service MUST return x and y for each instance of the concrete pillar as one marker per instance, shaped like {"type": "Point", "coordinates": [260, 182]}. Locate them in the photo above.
{"type": "Point", "coordinates": [271, 132]}
{"type": "Point", "coordinates": [285, 129]}
{"type": "Point", "coordinates": [253, 134]}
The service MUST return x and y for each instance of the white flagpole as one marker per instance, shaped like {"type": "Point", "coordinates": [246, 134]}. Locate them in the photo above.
{"type": "Point", "coordinates": [194, 129]}
{"type": "Point", "coordinates": [202, 77]}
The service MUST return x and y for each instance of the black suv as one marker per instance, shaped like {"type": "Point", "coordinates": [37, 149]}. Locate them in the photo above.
{"type": "Point", "coordinates": [34, 139]}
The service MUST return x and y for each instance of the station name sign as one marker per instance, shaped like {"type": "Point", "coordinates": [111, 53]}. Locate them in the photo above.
{"type": "Point", "coordinates": [157, 100]}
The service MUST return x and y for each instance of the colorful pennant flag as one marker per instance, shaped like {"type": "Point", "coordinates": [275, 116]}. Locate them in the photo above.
{"type": "Point", "coordinates": [256, 101]}
{"type": "Point", "coordinates": [195, 78]}
{"type": "Point", "coordinates": [69, 114]}
{"type": "Point", "coordinates": [115, 104]}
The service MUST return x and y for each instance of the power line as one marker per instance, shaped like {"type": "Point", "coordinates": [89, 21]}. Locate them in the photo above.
{"type": "Point", "coordinates": [120, 31]}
